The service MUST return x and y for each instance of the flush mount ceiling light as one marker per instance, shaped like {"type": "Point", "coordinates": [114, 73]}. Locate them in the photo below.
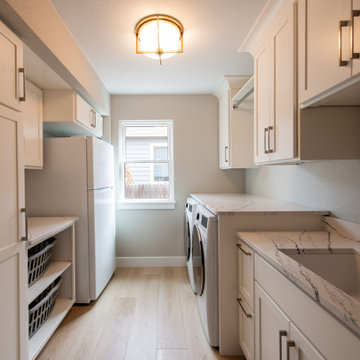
{"type": "Point", "coordinates": [159, 36]}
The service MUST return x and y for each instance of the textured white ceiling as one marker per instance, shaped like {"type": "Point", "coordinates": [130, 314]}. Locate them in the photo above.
{"type": "Point", "coordinates": [213, 31]}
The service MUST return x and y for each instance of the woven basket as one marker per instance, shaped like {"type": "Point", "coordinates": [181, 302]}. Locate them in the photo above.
{"type": "Point", "coordinates": [39, 259]}
{"type": "Point", "coordinates": [41, 307]}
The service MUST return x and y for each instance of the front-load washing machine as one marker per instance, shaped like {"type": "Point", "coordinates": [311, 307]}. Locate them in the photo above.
{"type": "Point", "coordinates": [190, 214]}
{"type": "Point", "coordinates": [205, 270]}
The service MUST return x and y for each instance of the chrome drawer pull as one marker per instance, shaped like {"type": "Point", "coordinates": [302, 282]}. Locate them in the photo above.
{"type": "Point", "coordinates": [282, 333]}
{"type": "Point", "coordinates": [245, 252]}
{"type": "Point", "coordinates": [289, 344]}
{"type": "Point", "coordinates": [249, 316]}
{"type": "Point", "coordinates": [342, 23]}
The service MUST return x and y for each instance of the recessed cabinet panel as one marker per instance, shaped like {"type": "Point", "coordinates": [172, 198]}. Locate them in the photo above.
{"type": "Point", "coordinates": [271, 328]}
{"type": "Point", "coordinates": [33, 129]}
{"type": "Point", "coordinates": [11, 60]}
{"type": "Point", "coordinates": [283, 101]}
{"type": "Point", "coordinates": [262, 102]}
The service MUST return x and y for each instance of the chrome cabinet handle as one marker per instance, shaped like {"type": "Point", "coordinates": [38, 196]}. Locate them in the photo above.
{"type": "Point", "coordinates": [225, 153]}
{"type": "Point", "coordinates": [23, 98]}
{"type": "Point", "coordinates": [26, 237]}
{"type": "Point", "coordinates": [245, 252]}
{"type": "Point", "coordinates": [265, 137]}
{"type": "Point", "coordinates": [270, 150]}
{"type": "Point", "coordinates": [342, 24]}
{"type": "Point", "coordinates": [249, 316]}
{"type": "Point", "coordinates": [289, 344]}
{"type": "Point", "coordinates": [354, 55]}
{"type": "Point", "coordinates": [282, 333]}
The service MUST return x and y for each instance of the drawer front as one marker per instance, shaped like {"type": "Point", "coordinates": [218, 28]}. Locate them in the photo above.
{"type": "Point", "coordinates": [246, 273]}
{"type": "Point", "coordinates": [246, 329]}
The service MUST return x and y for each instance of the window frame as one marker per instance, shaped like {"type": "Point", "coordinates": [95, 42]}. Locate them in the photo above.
{"type": "Point", "coordinates": [124, 203]}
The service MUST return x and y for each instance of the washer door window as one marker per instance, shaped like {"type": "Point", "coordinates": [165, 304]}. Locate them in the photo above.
{"type": "Point", "coordinates": [198, 261]}
{"type": "Point", "coordinates": [187, 237]}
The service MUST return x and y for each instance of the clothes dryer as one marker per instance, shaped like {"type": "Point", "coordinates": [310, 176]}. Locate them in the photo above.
{"type": "Point", "coordinates": [205, 270]}
{"type": "Point", "coordinates": [190, 214]}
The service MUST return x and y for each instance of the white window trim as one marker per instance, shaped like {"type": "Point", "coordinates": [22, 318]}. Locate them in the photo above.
{"type": "Point", "coordinates": [151, 204]}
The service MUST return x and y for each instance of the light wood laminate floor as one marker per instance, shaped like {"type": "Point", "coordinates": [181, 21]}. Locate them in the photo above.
{"type": "Point", "coordinates": [143, 314]}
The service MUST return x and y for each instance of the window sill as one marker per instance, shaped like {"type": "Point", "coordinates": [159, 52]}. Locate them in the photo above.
{"type": "Point", "coordinates": [147, 205]}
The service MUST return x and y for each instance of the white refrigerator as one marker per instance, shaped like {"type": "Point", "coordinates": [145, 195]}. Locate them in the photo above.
{"type": "Point", "coordinates": [78, 180]}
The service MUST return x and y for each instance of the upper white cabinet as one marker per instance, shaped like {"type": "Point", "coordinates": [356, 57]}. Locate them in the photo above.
{"type": "Point", "coordinates": [329, 47]}
{"type": "Point", "coordinates": [12, 72]}
{"type": "Point", "coordinates": [66, 114]}
{"type": "Point", "coordinates": [235, 125]}
{"type": "Point", "coordinates": [275, 90]}
{"type": "Point", "coordinates": [33, 127]}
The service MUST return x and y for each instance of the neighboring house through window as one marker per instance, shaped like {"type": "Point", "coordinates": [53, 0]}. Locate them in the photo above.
{"type": "Point", "coordinates": [146, 164]}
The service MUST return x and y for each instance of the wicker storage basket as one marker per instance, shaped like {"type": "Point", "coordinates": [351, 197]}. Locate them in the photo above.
{"type": "Point", "coordinates": [39, 259]}
{"type": "Point", "coordinates": [41, 307]}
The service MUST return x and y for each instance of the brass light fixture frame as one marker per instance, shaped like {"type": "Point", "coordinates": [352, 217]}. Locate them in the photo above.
{"type": "Point", "coordinates": [159, 17]}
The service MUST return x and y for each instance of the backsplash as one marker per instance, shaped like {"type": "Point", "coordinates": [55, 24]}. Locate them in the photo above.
{"type": "Point", "coordinates": [332, 185]}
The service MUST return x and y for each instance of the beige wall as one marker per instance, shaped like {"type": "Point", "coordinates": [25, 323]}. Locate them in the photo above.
{"type": "Point", "coordinates": [330, 185]}
{"type": "Point", "coordinates": [160, 232]}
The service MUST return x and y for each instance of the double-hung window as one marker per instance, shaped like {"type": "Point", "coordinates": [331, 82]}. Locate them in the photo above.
{"type": "Point", "coordinates": [146, 164]}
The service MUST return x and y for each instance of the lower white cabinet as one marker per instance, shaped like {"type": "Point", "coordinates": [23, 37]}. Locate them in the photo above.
{"type": "Point", "coordinates": [33, 127]}
{"type": "Point", "coordinates": [271, 329]}
{"type": "Point", "coordinates": [311, 332]}
{"type": "Point", "coordinates": [13, 316]}
{"type": "Point", "coordinates": [276, 336]}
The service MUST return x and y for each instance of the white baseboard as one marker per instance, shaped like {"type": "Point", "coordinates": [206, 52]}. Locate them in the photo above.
{"type": "Point", "coordinates": [159, 261]}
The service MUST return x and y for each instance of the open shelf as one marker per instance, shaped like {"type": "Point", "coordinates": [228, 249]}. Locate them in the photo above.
{"type": "Point", "coordinates": [54, 270]}
{"type": "Point", "coordinates": [38, 341]}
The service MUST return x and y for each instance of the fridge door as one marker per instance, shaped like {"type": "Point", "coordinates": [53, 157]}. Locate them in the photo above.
{"type": "Point", "coordinates": [101, 239]}
{"type": "Point", "coordinates": [100, 163]}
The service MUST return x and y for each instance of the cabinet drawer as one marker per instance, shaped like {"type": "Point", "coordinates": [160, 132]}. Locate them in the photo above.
{"type": "Point", "coordinates": [246, 273]}
{"type": "Point", "coordinates": [246, 329]}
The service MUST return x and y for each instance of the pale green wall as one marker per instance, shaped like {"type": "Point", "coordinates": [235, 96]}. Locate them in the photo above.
{"type": "Point", "coordinates": [329, 185]}
{"type": "Point", "coordinates": [160, 232]}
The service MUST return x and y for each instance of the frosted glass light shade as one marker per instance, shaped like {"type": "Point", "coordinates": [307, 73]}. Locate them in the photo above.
{"type": "Point", "coordinates": [159, 36]}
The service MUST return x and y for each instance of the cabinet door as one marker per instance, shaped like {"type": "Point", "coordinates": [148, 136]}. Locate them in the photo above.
{"type": "Point", "coordinates": [33, 127]}
{"type": "Point", "coordinates": [246, 273]}
{"type": "Point", "coordinates": [356, 35]}
{"type": "Point", "coordinates": [13, 282]}
{"type": "Point", "coordinates": [262, 102]}
{"type": "Point", "coordinates": [224, 131]}
{"type": "Point", "coordinates": [283, 89]}
{"type": "Point", "coordinates": [319, 48]}
{"type": "Point", "coordinates": [271, 328]}
{"type": "Point", "coordinates": [11, 61]}
{"type": "Point", "coordinates": [246, 329]}
{"type": "Point", "coordinates": [83, 112]}
{"type": "Point", "coordinates": [301, 348]}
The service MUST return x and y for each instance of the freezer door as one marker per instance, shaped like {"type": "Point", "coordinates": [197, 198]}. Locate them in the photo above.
{"type": "Point", "coordinates": [101, 239]}
{"type": "Point", "coordinates": [100, 163]}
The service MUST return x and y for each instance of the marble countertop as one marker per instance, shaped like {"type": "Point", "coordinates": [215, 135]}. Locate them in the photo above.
{"type": "Point", "coordinates": [268, 244]}
{"type": "Point", "coordinates": [227, 203]}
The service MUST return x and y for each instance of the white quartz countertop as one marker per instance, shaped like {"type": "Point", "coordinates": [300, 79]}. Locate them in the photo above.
{"type": "Point", "coordinates": [42, 228]}
{"type": "Point", "coordinates": [227, 203]}
{"type": "Point", "coordinates": [268, 244]}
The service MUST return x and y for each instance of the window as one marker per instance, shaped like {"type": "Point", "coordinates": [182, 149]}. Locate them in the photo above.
{"type": "Point", "coordinates": [146, 164]}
